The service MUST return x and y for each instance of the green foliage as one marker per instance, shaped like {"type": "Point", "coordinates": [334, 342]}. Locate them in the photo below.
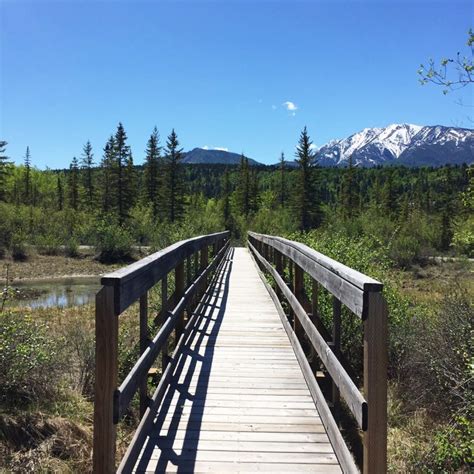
{"type": "Point", "coordinates": [463, 237]}
{"type": "Point", "coordinates": [48, 244]}
{"type": "Point", "coordinates": [113, 242]}
{"type": "Point", "coordinates": [30, 360]}
{"type": "Point", "coordinates": [453, 448]}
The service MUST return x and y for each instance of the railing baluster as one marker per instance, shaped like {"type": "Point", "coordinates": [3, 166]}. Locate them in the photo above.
{"type": "Point", "coordinates": [336, 344]}
{"type": "Point", "coordinates": [179, 290]}
{"type": "Point", "coordinates": [143, 346]}
{"type": "Point", "coordinates": [298, 291]}
{"type": "Point", "coordinates": [164, 313]}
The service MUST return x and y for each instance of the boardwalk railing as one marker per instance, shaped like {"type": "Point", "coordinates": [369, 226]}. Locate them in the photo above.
{"type": "Point", "coordinates": [189, 260]}
{"type": "Point", "coordinates": [363, 296]}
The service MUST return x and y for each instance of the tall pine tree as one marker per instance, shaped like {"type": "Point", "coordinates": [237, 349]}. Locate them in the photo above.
{"type": "Point", "coordinates": [60, 194]}
{"type": "Point", "coordinates": [349, 193]}
{"type": "Point", "coordinates": [74, 184]}
{"type": "Point", "coordinates": [106, 179]}
{"type": "Point", "coordinates": [174, 182]}
{"type": "Point", "coordinates": [27, 178]}
{"type": "Point", "coordinates": [152, 166]}
{"type": "Point", "coordinates": [306, 205]}
{"type": "Point", "coordinates": [121, 162]}
{"type": "Point", "coordinates": [4, 167]}
{"type": "Point", "coordinates": [87, 163]}
{"type": "Point", "coordinates": [244, 188]}
{"type": "Point", "coordinates": [282, 181]}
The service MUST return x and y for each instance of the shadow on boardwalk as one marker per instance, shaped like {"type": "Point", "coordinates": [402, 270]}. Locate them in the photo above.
{"type": "Point", "coordinates": [170, 420]}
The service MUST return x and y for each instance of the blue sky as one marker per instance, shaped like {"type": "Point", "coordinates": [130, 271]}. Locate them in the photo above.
{"type": "Point", "coordinates": [220, 72]}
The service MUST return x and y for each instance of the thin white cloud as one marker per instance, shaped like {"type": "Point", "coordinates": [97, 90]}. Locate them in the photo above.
{"type": "Point", "coordinates": [221, 148]}
{"type": "Point", "coordinates": [290, 106]}
{"type": "Point", "coordinates": [205, 147]}
{"type": "Point", "coordinates": [274, 107]}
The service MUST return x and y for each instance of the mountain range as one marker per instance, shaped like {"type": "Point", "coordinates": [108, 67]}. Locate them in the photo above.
{"type": "Point", "coordinates": [404, 144]}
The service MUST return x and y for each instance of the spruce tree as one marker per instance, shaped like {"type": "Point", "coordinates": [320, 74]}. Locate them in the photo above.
{"type": "Point", "coordinates": [74, 184]}
{"type": "Point", "coordinates": [27, 178]}
{"type": "Point", "coordinates": [226, 200]}
{"type": "Point", "coordinates": [106, 178]}
{"type": "Point", "coordinates": [60, 194]}
{"type": "Point", "coordinates": [282, 190]}
{"type": "Point", "coordinates": [349, 194]}
{"type": "Point", "coordinates": [305, 200]}
{"type": "Point", "coordinates": [4, 167]}
{"type": "Point", "coordinates": [243, 187]}
{"type": "Point", "coordinates": [87, 165]}
{"type": "Point", "coordinates": [174, 183]}
{"type": "Point", "coordinates": [152, 165]}
{"type": "Point", "coordinates": [121, 159]}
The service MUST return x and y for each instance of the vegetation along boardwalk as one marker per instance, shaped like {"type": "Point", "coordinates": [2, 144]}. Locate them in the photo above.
{"type": "Point", "coordinates": [238, 393]}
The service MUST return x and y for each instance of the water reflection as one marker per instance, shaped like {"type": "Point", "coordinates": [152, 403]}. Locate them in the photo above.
{"type": "Point", "coordinates": [57, 293]}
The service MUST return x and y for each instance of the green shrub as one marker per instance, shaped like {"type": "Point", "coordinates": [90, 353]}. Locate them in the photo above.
{"type": "Point", "coordinates": [463, 238]}
{"type": "Point", "coordinates": [30, 360]}
{"type": "Point", "coordinates": [113, 243]}
{"type": "Point", "coordinates": [72, 247]}
{"type": "Point", "coordinates": [18, 247]}
{"type": "Point", "coordinates": [48, 244]}
{"type": "Point", "coordinates": [405, 250]}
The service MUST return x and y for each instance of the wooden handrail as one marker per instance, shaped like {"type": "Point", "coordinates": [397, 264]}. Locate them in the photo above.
{"type": "Point", "coordinates": [363, 296]}
{"type": "Point", "coordinates": [122, 288]}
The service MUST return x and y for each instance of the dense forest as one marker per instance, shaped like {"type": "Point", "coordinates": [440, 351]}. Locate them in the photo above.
{"type": "Point", "coordinates": [392, 223]}
{"type": "Point", "coordinates": [111, 203]}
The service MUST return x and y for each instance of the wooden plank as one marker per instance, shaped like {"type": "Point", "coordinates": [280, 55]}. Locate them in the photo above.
{"type": "Point", "coordinates": [355, 401]}
{"type": "Point", "coordinates": [124, 394]}
{"type": "Point", "coordinates": [146, 422]}
{"type": "Point", "coordinates": [230, 398]}
{"type": "Point", "coordinates": [223, 467]}
{"type": "Point", "coordinates": [343, 454]}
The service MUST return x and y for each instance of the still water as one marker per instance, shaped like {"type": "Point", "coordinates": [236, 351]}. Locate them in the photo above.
{"type": "Point", "coordinates": [56, 292]}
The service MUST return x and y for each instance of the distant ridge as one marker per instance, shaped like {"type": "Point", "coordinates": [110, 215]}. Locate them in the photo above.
{"type": "Point", "coordinates": [213, 157]}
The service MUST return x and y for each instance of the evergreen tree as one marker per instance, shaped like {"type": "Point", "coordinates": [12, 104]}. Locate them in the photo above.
{"type": "Point", "coordinates": [152, 166]}
{"type": "Point", "coordinates": [174, 182]}
{"type": "Point", "coordinates": [4, 166]}
{"type": "Point", "coordinates": [74, 184]}
{"type": "Point", "coordinates": [349, 195]}
{"type": "Point", "coordinates": [244, 187]}
{"type": "Point", "coordinates": [106, 172]}
{"type": "Point", "coordinates": [388, 199]}
{"type": "Point", "coordinates": [27, 177]}
{"type": "Point", "coordinates": [121, 160]}
{"type": "Point", "coordinates": [60, 194]}
{"type": "Point", "coordinates": [87, 165]}
{"type": "Point", "coordinates": [282, 190]}
{"type": "Point", "coordinates": [305, 200]}
{"type": "Point", "coordinates": [226, 198]}
{"type": "Point", "coordinates": [130, 180]}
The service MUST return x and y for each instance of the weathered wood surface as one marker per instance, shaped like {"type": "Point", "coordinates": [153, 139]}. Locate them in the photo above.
{"type": "Point", "coordinates": [237, 399]}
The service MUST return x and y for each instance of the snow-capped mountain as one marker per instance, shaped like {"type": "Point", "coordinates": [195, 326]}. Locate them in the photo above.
{"type": "Point", "coordinates": [406, 144]}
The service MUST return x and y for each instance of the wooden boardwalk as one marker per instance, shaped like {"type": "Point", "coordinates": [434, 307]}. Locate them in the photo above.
{"type": "Point", "coordinates": [238, 400]}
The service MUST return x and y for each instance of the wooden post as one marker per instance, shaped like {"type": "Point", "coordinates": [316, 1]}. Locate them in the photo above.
{"type": "Point", "coordinates": [375, 385]}
{"type": "Point", "coordinates": [106, 353]}
{"type": "Point", "coordinates": [164, 312]}
{"type": "Point", "coordinates": [143, 346]}
{"type": "Point", "coordinates": [298, 290]}
{"type": "Point", "coordinates": [179, 290]}
{"type": "Point", "coordinates": [336, 344]}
